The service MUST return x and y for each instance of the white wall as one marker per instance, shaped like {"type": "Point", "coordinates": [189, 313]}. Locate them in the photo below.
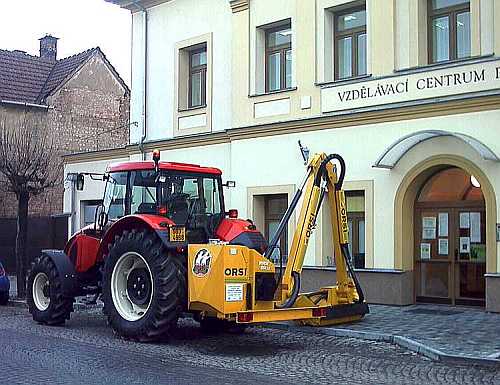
{"type": "Point", "coordinates": [93, 190]}
{"type": "Point", "coordinates": [169, 24]}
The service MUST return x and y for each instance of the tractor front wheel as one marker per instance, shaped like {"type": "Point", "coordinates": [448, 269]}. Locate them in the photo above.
{"type": "Point", "coordinates": [46, 303]}
{"type": "Point", "coordinates": [144, 287]}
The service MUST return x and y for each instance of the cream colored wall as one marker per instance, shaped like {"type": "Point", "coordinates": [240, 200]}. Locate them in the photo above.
{"type": "Point", "coordinates": [169, 24]}
{"type": "Point", "coordinates": [275, 161]}
{"type": "Point", "coordinates": [496, 23]}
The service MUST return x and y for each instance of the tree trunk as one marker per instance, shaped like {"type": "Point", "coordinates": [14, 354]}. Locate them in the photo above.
{"type": "Point", "coordinates": [21, 242]}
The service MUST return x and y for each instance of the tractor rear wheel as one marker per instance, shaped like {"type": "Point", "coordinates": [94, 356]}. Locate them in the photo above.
{"type": "Point", "coordinates": [46, 302]}
{"type": "Point", "coordinates": [144, 287]}
{"type": "Point", "coordinates": [4, 298]}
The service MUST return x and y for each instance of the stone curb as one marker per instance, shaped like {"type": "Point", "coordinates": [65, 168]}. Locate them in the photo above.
{"type": "Point", "coordinates": [76, 306]}
{"type": "Point", "coordinates": [404, 342]}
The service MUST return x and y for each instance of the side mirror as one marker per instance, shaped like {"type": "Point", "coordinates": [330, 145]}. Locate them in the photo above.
{"type": "Point", "coordinates": [230, 183]}
{"type": "Point", "coordinates": [80, 182]}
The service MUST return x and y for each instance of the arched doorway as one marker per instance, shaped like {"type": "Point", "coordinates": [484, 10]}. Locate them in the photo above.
{"type": "Point", "coordinates": [450, 238]}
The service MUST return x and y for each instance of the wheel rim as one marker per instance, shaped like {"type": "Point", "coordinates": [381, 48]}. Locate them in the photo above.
{"type": "Point", "coordinates": [132, 286]}
{"type": "Point", "coordinates": [41, 296]}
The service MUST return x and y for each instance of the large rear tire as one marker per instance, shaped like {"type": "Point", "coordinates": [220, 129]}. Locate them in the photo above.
{"type": "Point", "coordinates": [144, 287]}
{"type": "Point", "coordinates": [46, 303]}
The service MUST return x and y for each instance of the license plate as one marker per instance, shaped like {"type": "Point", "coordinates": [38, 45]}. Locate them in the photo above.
{"type": "Point", "coordinates": [177, 234]}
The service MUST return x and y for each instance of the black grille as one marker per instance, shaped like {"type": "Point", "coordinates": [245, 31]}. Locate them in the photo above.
{"type": "Point", "coordinates": [265, 286]}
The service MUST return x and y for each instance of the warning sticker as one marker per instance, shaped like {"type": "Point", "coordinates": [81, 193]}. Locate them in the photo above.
{"type": "Point", "coordinates": [234, 292]}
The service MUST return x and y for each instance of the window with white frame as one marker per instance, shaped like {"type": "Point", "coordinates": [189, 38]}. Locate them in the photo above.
{"type": "Point", "coordinates": [350, 41]}
{"type": "Point", "coordinates": [87, 215]}
{"type": "Point", "coordinates": [278, 58]}
{"type": "Point", "coordinates": [449, 30]}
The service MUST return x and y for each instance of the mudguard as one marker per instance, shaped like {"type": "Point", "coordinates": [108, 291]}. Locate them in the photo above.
{"type": "Point", "coordinates": [66, 271]}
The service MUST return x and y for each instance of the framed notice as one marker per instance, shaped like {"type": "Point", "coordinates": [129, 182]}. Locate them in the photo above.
{"type": "Point", "coordinates": [443, 246]}
{"type": "Point", "coordinates": [443, 225]}
{"type": "Point", "coordinates": [475, 227]}
{"type": "Point", "coordinates": [429, 233]}
{"type": "Point", "coordinates": [464, 220]}
{"type": "Point", "coordinates": [464, 245]}
{"type": "Point", "coordinates": [425, 251]}
{"type": "Point", "coordinates": [428, 222]}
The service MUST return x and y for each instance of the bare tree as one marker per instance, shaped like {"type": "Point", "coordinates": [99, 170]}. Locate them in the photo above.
{"type": "Point", "coordinates": [29, 164]}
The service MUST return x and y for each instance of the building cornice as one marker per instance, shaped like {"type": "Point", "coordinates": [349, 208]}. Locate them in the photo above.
{"type": "Point", "coordinates": [239, 5]}
{"type": "Point", "coordinates": [328, 122]}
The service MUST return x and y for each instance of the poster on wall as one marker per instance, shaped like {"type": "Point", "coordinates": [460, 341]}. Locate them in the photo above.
{"type": "Point", "coordinates": [425, 251]}
{"type": "Point", "coordinates": [443, 246]}
{"type": "Point", "coordinates": [464, 220]}
{"type": "Point", "coordinates": [475, 227]}
{"type": "Point", "coordinates": [464, 245]}
{"type": "Point", "coordinates": [443, 225]}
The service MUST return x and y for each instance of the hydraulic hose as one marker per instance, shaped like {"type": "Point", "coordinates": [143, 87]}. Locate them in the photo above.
{"type": "Point", "coordinates": [322, 171]}
{"type": "Point", "coordinates": [295, 293]}
{"type": "Point", "coordinates": [346, 254]}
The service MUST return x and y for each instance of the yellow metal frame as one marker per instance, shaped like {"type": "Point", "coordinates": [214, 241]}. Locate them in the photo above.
{"type": "Point", "coordinates": [238, 266]}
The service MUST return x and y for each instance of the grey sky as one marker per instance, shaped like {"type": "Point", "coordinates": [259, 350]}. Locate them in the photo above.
{"type": "Point", "coordinates": [79, 25]}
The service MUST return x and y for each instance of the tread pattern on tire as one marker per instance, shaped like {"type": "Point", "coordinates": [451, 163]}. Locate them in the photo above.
{"type": "Point", "coordinates": [60, 307]}
{"type": "Point", "coordinates": [169, 293]}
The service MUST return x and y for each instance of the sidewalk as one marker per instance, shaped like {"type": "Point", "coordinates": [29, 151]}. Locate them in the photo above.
{"type": "Point", "coordinates": [440, 332]}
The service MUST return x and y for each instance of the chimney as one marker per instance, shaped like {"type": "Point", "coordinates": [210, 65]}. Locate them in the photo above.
{"type": "Point", "coordinates": [48, 47]}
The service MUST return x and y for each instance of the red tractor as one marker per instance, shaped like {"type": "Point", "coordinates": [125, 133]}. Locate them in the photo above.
{"type": "Point", "coordinates": [163, 244]}
{"type": "Point", "coordinates": [135, 252]}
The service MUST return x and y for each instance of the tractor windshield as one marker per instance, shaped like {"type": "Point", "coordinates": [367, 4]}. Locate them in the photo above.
{"type": "Point", "coordinates": [114, 195]}
{"type": "Point", "coordinates": [190, 197]}
{"type": "Point", "coordinates": [184, 198]}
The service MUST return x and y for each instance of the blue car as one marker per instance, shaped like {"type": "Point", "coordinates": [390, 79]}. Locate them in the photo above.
{"type": "Point", "coordinates": [4, 286]}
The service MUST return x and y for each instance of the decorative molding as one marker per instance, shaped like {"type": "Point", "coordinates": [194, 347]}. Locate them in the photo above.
{"type": "Point", "coordinates": [239, 5]}
{"type": "Point", "coordinates": [453, 107]}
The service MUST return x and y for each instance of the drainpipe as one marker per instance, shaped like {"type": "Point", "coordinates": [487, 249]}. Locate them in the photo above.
{"type": "Point", "coordinates": [145, 79]}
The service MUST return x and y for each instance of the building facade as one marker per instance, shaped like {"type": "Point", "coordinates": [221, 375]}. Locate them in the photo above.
{"type": "Point", "coordinates": [407, 91]}
{"type": "Point", "coordinates": [82, 99]}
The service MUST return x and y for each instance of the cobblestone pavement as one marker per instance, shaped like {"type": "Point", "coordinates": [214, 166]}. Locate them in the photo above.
{"type": "Point", "coordinates": [86, 351]}
{"type": "Point", "coordinates": [453, 330]}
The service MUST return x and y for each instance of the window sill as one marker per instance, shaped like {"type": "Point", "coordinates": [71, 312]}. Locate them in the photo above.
{"type": "Point", "coordinates": [285, 90]}
{"type": "Point", "coordinates": [341, 82]}
{"type": "Point", "coordinates": [446, 64]}
{"type": "Point", "coordinates": [189, 109]}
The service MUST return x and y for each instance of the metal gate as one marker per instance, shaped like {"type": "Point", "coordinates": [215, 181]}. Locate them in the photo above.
{"type": "Point", "coordinates": [43, 233]}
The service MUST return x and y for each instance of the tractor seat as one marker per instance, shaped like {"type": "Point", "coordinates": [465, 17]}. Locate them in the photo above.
{"type": "Point", "coordinates": [178, 211]}
{"type": "Point", "coordinates": [146, 208]}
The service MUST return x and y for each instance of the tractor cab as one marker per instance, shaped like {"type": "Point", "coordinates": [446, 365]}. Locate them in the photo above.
{"type": "Point", "coordinates": [183, 195]}
{"type": "Point", "coordinates": [180, 203]}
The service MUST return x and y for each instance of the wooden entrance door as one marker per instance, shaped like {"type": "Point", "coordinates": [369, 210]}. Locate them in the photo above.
{"type": "Point", "coordinates": [450, 240]}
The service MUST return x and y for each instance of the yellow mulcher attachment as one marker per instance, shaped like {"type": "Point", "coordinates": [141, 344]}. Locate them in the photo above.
{"type": "Point", "coordinates": [246, 287]}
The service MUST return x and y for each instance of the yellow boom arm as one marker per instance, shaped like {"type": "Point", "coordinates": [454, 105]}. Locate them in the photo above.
{"type": "Point", "coordinates": [321, 179]}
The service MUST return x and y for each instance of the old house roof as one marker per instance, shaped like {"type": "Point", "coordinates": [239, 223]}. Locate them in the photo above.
{"type": "Point", "coordinates": [31, 79]}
